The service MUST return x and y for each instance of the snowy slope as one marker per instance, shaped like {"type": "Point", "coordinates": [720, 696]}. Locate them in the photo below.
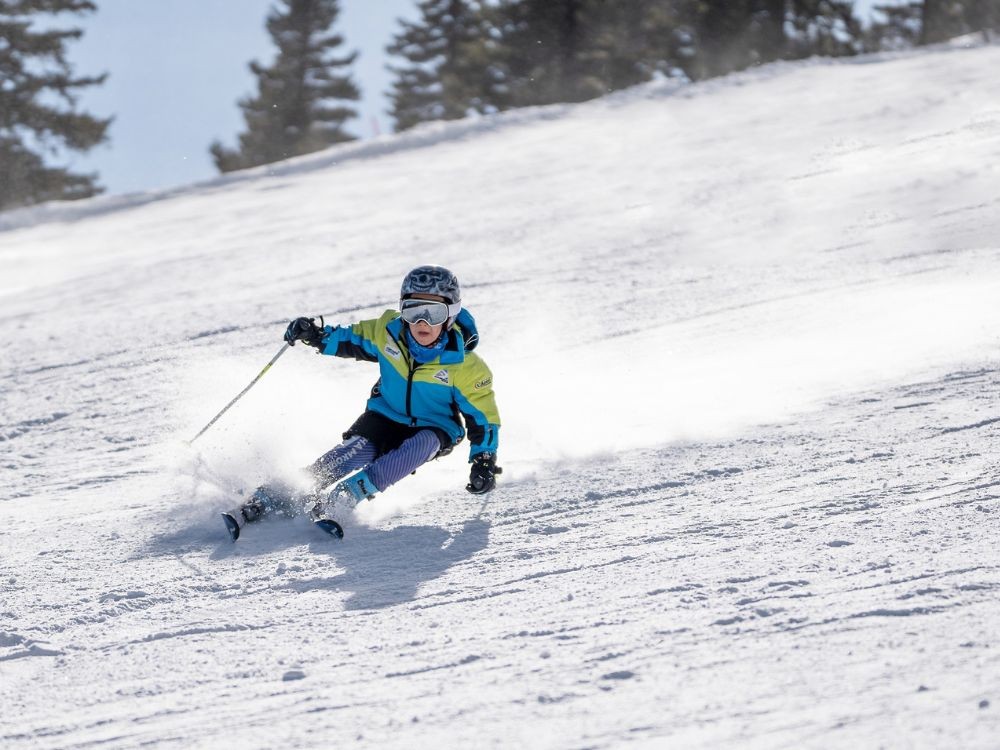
{"type": "Point", "coordinates": [745, 341]}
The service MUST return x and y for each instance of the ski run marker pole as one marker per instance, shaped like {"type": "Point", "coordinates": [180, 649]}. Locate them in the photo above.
{"type": "Point", "coordinates": [242, 393]}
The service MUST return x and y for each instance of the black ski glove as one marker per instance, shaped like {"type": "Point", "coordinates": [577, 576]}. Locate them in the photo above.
{"type": "Point", "coordinates": [482, 477]}
{"type": "Point", "coordinates": [306, 331]}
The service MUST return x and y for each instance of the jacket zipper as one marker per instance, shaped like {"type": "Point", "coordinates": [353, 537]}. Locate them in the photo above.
{"type": "Point", "coordinates": [412, 366]}
{"type": "Point", "coordinates": [409, 393]}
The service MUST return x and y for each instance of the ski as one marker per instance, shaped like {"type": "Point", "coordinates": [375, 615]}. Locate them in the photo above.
{"type": "Point", "coordinates": [232, 525]}
{"type": "Point", "coordinates": [331, 527]}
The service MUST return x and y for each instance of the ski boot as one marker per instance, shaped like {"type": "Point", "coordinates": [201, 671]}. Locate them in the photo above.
{"type": "Point", "coordinates": [329, 514]}
{"type": "Point", "coordinates": [237, 518]}
{"type": "Point", "coordinates": [266, 499]}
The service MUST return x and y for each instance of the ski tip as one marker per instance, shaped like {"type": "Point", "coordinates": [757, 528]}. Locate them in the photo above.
{"type": "Point", "coordinates": [231, 526]}
{"type": "Point", "coordinates": [331, 527]}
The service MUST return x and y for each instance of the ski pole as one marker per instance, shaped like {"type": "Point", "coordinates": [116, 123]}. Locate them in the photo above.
{"type": "Point", "coordinates": [241, 393]}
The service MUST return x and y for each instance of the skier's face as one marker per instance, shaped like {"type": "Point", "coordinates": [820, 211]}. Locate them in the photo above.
{"type": "Point", "coordinates": [422, 331]}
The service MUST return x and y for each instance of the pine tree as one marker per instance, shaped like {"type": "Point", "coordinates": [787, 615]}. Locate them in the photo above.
{"type": "Point", "coordinates": [723, 30]}
{"type": "Point", "coordinates": [941, 20]}
{"type": "Point", "coordinates": [823, 27]}
{"type": "Point", "coordinates": [468, 56]}
{"type": "Point", "coordinates": [448, 72]}
{"type": "Point", "coordinates": [634, 40]}
{"type": "Point", "coordinates": [543, 51]}
{"type": "Point", "coordinates": [38, 105]}
{"type": "Point", "coordinates": [984, 15]}
{"type": "Point", "coordinates": [895, 27]}
{"type": "Point", "coordinates": [300, 105]}
{"type": "Point", "coordinates": [735, 35]}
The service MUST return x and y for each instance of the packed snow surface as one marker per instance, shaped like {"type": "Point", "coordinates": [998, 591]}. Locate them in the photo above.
{"type": "Point", "coordinates": [745, 341]}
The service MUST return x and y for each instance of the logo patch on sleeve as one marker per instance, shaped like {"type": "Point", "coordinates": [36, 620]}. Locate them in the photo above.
{"type": "Point", "coordinates": [484, 383]}
{"type": "Point", "coordinates": [442, 375]}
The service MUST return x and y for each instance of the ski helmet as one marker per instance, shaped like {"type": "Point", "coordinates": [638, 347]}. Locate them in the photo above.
{"type": "Point", "coordinates": [435, 280]}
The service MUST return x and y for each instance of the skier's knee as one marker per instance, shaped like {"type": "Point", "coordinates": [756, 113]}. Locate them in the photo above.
{"type": "Point", "coordinates": [355, 452]}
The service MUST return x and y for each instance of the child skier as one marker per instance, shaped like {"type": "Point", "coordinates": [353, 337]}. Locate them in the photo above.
{"type": "Point", "coordinates": [429, 375]}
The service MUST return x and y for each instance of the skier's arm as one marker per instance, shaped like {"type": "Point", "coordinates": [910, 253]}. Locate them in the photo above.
{"type": "Point", "coordinates": [358, 340]}
{"type": "Point", "coordinates": [477, 404]}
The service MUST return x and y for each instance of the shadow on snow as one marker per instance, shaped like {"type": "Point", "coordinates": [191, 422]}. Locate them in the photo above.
{"type": "Point", "coordinates": [379, 567]}
{"type": "Point", "coordinates": [383, 568]}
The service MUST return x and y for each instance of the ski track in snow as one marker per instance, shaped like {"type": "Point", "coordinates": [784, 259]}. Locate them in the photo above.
{"type": "Point", "coordinates": [749, 387]}
{"type": "Point", "coordinates": [703, 592]}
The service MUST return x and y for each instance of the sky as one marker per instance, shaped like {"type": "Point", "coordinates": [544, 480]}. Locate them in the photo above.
{"type": "Point", "coordinates": [177, 69]}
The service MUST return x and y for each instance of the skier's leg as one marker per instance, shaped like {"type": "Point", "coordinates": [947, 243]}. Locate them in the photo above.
{"type": "Point", "coordinates": [351, 455]}
{"type": "Point", "coordinates": [386, 470]}
{"type": "Point", "coordinates": [281, 498]}
{"type": "Point", "coordinates": [383, 472]}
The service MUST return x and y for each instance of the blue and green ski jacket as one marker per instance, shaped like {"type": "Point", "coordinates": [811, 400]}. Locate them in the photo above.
{"type": "Point", "coordinates": [455, 385]}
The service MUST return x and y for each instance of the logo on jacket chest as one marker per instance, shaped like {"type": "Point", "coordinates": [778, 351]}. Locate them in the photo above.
{"type": "Point", "coordinates": [442, 375]}
{"type": "Point", "coordinates": [392, 351]}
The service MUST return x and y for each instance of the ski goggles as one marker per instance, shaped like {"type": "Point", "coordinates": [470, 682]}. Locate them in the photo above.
{"type": "Point", "coordinates": [431, 312]}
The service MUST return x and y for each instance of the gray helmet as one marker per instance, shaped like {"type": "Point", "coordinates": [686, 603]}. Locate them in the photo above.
{"type": "Point", "coordinates": [435, 280]}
